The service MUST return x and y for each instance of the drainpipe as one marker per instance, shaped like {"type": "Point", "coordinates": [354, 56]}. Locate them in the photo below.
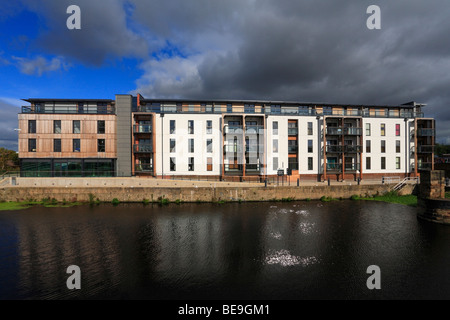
{"type": "Point", "coordinates": [406, 147]}
{"type": "Point", "coordinates": [162, 144]}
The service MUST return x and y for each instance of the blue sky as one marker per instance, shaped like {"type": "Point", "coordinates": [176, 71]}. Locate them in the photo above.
{"type": "Point", "coordinates": [313, 51]}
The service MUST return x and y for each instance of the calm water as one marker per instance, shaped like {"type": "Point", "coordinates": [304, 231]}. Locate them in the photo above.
{"type": "Point", "coordinates": [294, 250]}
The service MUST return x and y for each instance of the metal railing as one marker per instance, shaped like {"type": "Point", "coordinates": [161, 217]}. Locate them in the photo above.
{"type": "Point", "coordinates": [232, 148]}
{"type": "Point", "coordinates": [142, 128]}
{"type": "Point", "coordinates": [232, 129]}
{"type": "Point", "coordinates": [425, 165]}
{"type": "Point", "coordinates": [426, 132]}
{"type": "Point", "coordinates": [353, 131]}
{"type": "Point", "coordinates": [69, 109]}
{"type": "Point", "coordinates": [334, 149]}
{"type": "Point", "coordinates": [352, 149]}
{"type": "Point", "coordinates": [254, 129]}
{"type": "Point", "coordinates": [292, 149]}
{"type": "Point", "coordinates": [292, 131]}
{"type": "Point", "coordinates": [334, 131]}
{"type": "Point", "coordinates": [334, 167]}
{"type": "Point", "coordinates": [143, 148]}
{"type": "Point", "coordinates": [352, 166]}
{"type": "Point", "coordinates": [425, 149]}
{"type": "Point", "coordinates": [143, 168]}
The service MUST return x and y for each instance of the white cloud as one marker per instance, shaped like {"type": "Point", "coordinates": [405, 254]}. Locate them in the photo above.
{"type": "Point", "coordinates": [40, 65]}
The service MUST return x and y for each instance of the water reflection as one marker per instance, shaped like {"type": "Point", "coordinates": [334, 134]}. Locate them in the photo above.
{"type": "Point", "coordinates": [252, 250]}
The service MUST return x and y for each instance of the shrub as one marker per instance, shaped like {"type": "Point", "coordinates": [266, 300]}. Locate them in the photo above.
{"type": "Point", "coordinates": [115, 201]}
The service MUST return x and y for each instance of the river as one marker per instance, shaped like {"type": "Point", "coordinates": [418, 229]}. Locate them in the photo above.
{"type": "Point", "coordinates": [266, 250]}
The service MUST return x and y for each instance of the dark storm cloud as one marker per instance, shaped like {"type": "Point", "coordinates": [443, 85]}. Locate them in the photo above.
{"type": "Point", "coordinates": [8, 122]}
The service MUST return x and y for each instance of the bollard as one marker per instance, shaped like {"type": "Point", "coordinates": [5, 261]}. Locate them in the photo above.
{"type": "Point", "coordinates": [328, 181]}
{"type": "Point", "coordinates": [359, 180]}
{"type": "Point", "coordinates": [382, 180]}
{"type": "Point", "coordinates": [265, 183]}
{"type": "Point", "coordinates": [298, 182]}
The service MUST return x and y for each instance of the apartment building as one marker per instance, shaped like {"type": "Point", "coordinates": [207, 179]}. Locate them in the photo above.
{"type": "Point", "coordinates": [222, 139]}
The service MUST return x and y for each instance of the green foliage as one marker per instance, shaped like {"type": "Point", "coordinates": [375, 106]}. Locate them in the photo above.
{"type": "Point", "coordinates": [115, 201]}
{"type": "Point", "coordinates": [9, 160]}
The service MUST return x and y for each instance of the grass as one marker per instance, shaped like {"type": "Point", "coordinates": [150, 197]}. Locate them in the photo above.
{"type": "Point", "coordinates": [391, 197]}
{"type": "Point", "coordinates": [14, 205]}
{"type": "Point", "coordinates": [7, 206]}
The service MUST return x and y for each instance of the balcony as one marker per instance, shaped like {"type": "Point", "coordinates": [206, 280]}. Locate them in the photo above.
{"type": "Point", "coordinates": [252, 168]}
{"type": "Point", "coordinates": [292, 149]}
{"type": "Point", "coordinates": [425, 149]}
{"type": "Point", "coordinates": [254, 129]}
{"type": "Point", "coordinates": [232, 129]}
{"type": "Point", "coordinates": [142, 128]}
{"type": "Point", "coordinates": [292, 131]}
{"type": "Point", "coordinates": [55, 109]}
{"type": "Point", "coordinates": [144, 168]}
{"type": "Point", "coordinates": [425, 166]}
{"type": "Point", "coordinates": [352, 167]}
{"type": "Point", "coordinates": [254, 148]}
{"type": "Point", "coordinates": [334, 131]}
{"type": "Point", "coordinates": [352, 149]}
{"type": "Point", "coordinates": [232, 148]}
{"type": "Point", "coordinates": [351, 131]}
{"type": "Point", "coordinates": [334, 149]}
{"type": "Point", "coordinates": [334, 167]}
{"type": "Point", "coordinates": [233, 168]}
{"type": "Point", "coordinates": [143, 148]}
{"type": "Point", "coordinates": [425, 132]}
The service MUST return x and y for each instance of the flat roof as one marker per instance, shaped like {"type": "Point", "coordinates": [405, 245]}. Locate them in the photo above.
{"type": "Point", "coordinates": [66, 100]}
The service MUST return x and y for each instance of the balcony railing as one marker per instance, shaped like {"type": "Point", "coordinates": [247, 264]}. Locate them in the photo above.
{"type": "Point", "coordinates": [335, 131]}
{"type": "Point", "coordinates": [425, 149]}
{"type": "Point", "coordinates": [352, 166]}
{"type": "Point", "coordinates": [69, 109]}
{"type": "Point", "coordinates": [142, 128]}
{"type": "Point", "coordinates": [352, 149]}
{"type": "Point", "coordinates": [334, 167]}
{"type": "Point", "coordinates": [254, 129]}
{"type": "Point", "coordinates": [233, 167]}
{"type": "Point", "coordinates": [425, 166]}
{"type": "Point", "coordinates": [252, 148]}
{"type": "Point", "coordinates": [292, 131]}
{"type": "Point", "coordinates": [233, 129]}
{"type": "Point", "coordinates": [252, 167]}
{"type": "Point", "coordinates": [143, 168]}
{"type": "Point", "coordinates": [292, 149]}
{"type": "Point", "coordinates": [334, 149]}
{"type": "Point", "coordinates": [232, 148]}
{"type": "Point", "coordinates": [426, 132]}
{"type": "Point", "coordinates": [351, 131]}
{"type": "Point", "coordinates": [143, 148]}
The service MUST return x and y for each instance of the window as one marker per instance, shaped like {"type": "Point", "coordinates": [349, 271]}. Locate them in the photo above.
{"type": "Point", "coordinates": [293, 163]}
{"type": "Point", "coordinates": [397, 146]}
{"type": "Point", "coordinates": [368, 129]}
{"type": "Point", "coordinates": [249, 108]}
{"type": "Point", "coordinates": [208, 126]}
{"type": "Point", "coordinates": [209, 164]}
{"type": "Point", "coordinates": [80, 107]}
{"type": "Point", "coordinates": [31, 126]}
{"type": "Point", "coordinates": [229, 108]}
{"type": "Point", "coordinates": [275, 109]}
{"type": "Point", "coordinates": [310, 128]}
{"type": "Point", "coordinates": [383, 162]}
{"type": "Point", "coordinates": [310, 146]}
{"type": "Point", "coordinates": [56, 126]}
{"type": "Point", "coordinates": [100, 145]}
{"type": "Point", "coordinates": [191, 164]}
{"type": "Point", "coordinates": [327, 111]}
{"type": "Point", "coordinates": [56, 145]}
{"type": "Point", "coordinates": [172, 164]}
{"type": "Point", "coordinates": [383, 129]}
{"type": "Point", "coordinates": [368, 163]}
{"type": "Point", "coordinates": [397, 129]}
{"type": "Point", "coordinates": [101, 127]}
{"type": "Point", "coordinates": [209, 145]}
{"type": "Point", "coordinates": [275, 127]}
{"type": "Point", "coordinates": [310, 163]}
{"type": "Point", "coordinates": [397, 162]}
{"type": "Point", "coordinates": [191, 145]}
{"type": "Point", "coordinates": [275, 146]}
{"type": "Point", "coordinates": [172, 126]}
{"type": "Point", "coordinates": [76, 145]}
{"type": "Point", "coordinates": [275, 164]}
{"type": "Point", "coordinates": [368, 146]}
{"type": "Point", "coordinates": [76, 126]}
{"type": "Point", "coordinates": [190, 126]}
{"type": "Point", "coordinates": [172, 145]}
{"type": "Point", "coordinates": [383, 146]}
{"type": "Point", "coordinates": [31, 145]}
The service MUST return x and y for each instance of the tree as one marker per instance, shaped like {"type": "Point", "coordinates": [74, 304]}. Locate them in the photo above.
{"type": "Point", "coordinates": [9, 159]}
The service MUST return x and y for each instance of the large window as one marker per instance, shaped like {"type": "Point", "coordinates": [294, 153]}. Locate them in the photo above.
{"type": "Point", "coordinates": [209, 145]}
{"type": "Point", "coordinates": [310, 163]}
{"type": "Point", "coordinates": [31, 145]}
{"type": "Point", "coordinates": [310, 146]}
{"type": "Point", "coordinates": [101, 126]}
{"type": "Point", "coordinates": [172, 145]}
{"type": "Point", "coordinates": [383, 129]}
{"type": "Point", "coordinates": [293, 163]}
{"type": "Point", "coordinates": [31, 126]}
{"type": "Point", "coordinates": [368, 164]}
{"type": "Point", "coordinates": [368, 129]}
{"type": "Point", "coordinates": [368, 146]}
{"type": "Point", "coordinates": [173, 165]}
{"type": "Point", "coordinates": [397, 146]}
{"type": "Point", "coordinates": [56, 145]}
{"type": "Point", "coordinates": [76, 126]}
{"type": "Point", "coordinates": [57, 126]}
{"type": "Point", "coordinates": [383, 163]}
{"type": "Point", "coordinates": [383, 146]}
{"type": "Point", "coordinates": [76, 145]}
{"type": "Point", "coordinates": [101, 145]}
{"type": "Point", "coordinates": [190, 126]}
{"type": "Point", "coordinates": [191, 145]}
{"type": "Point", "coordinates": [172, 126]}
